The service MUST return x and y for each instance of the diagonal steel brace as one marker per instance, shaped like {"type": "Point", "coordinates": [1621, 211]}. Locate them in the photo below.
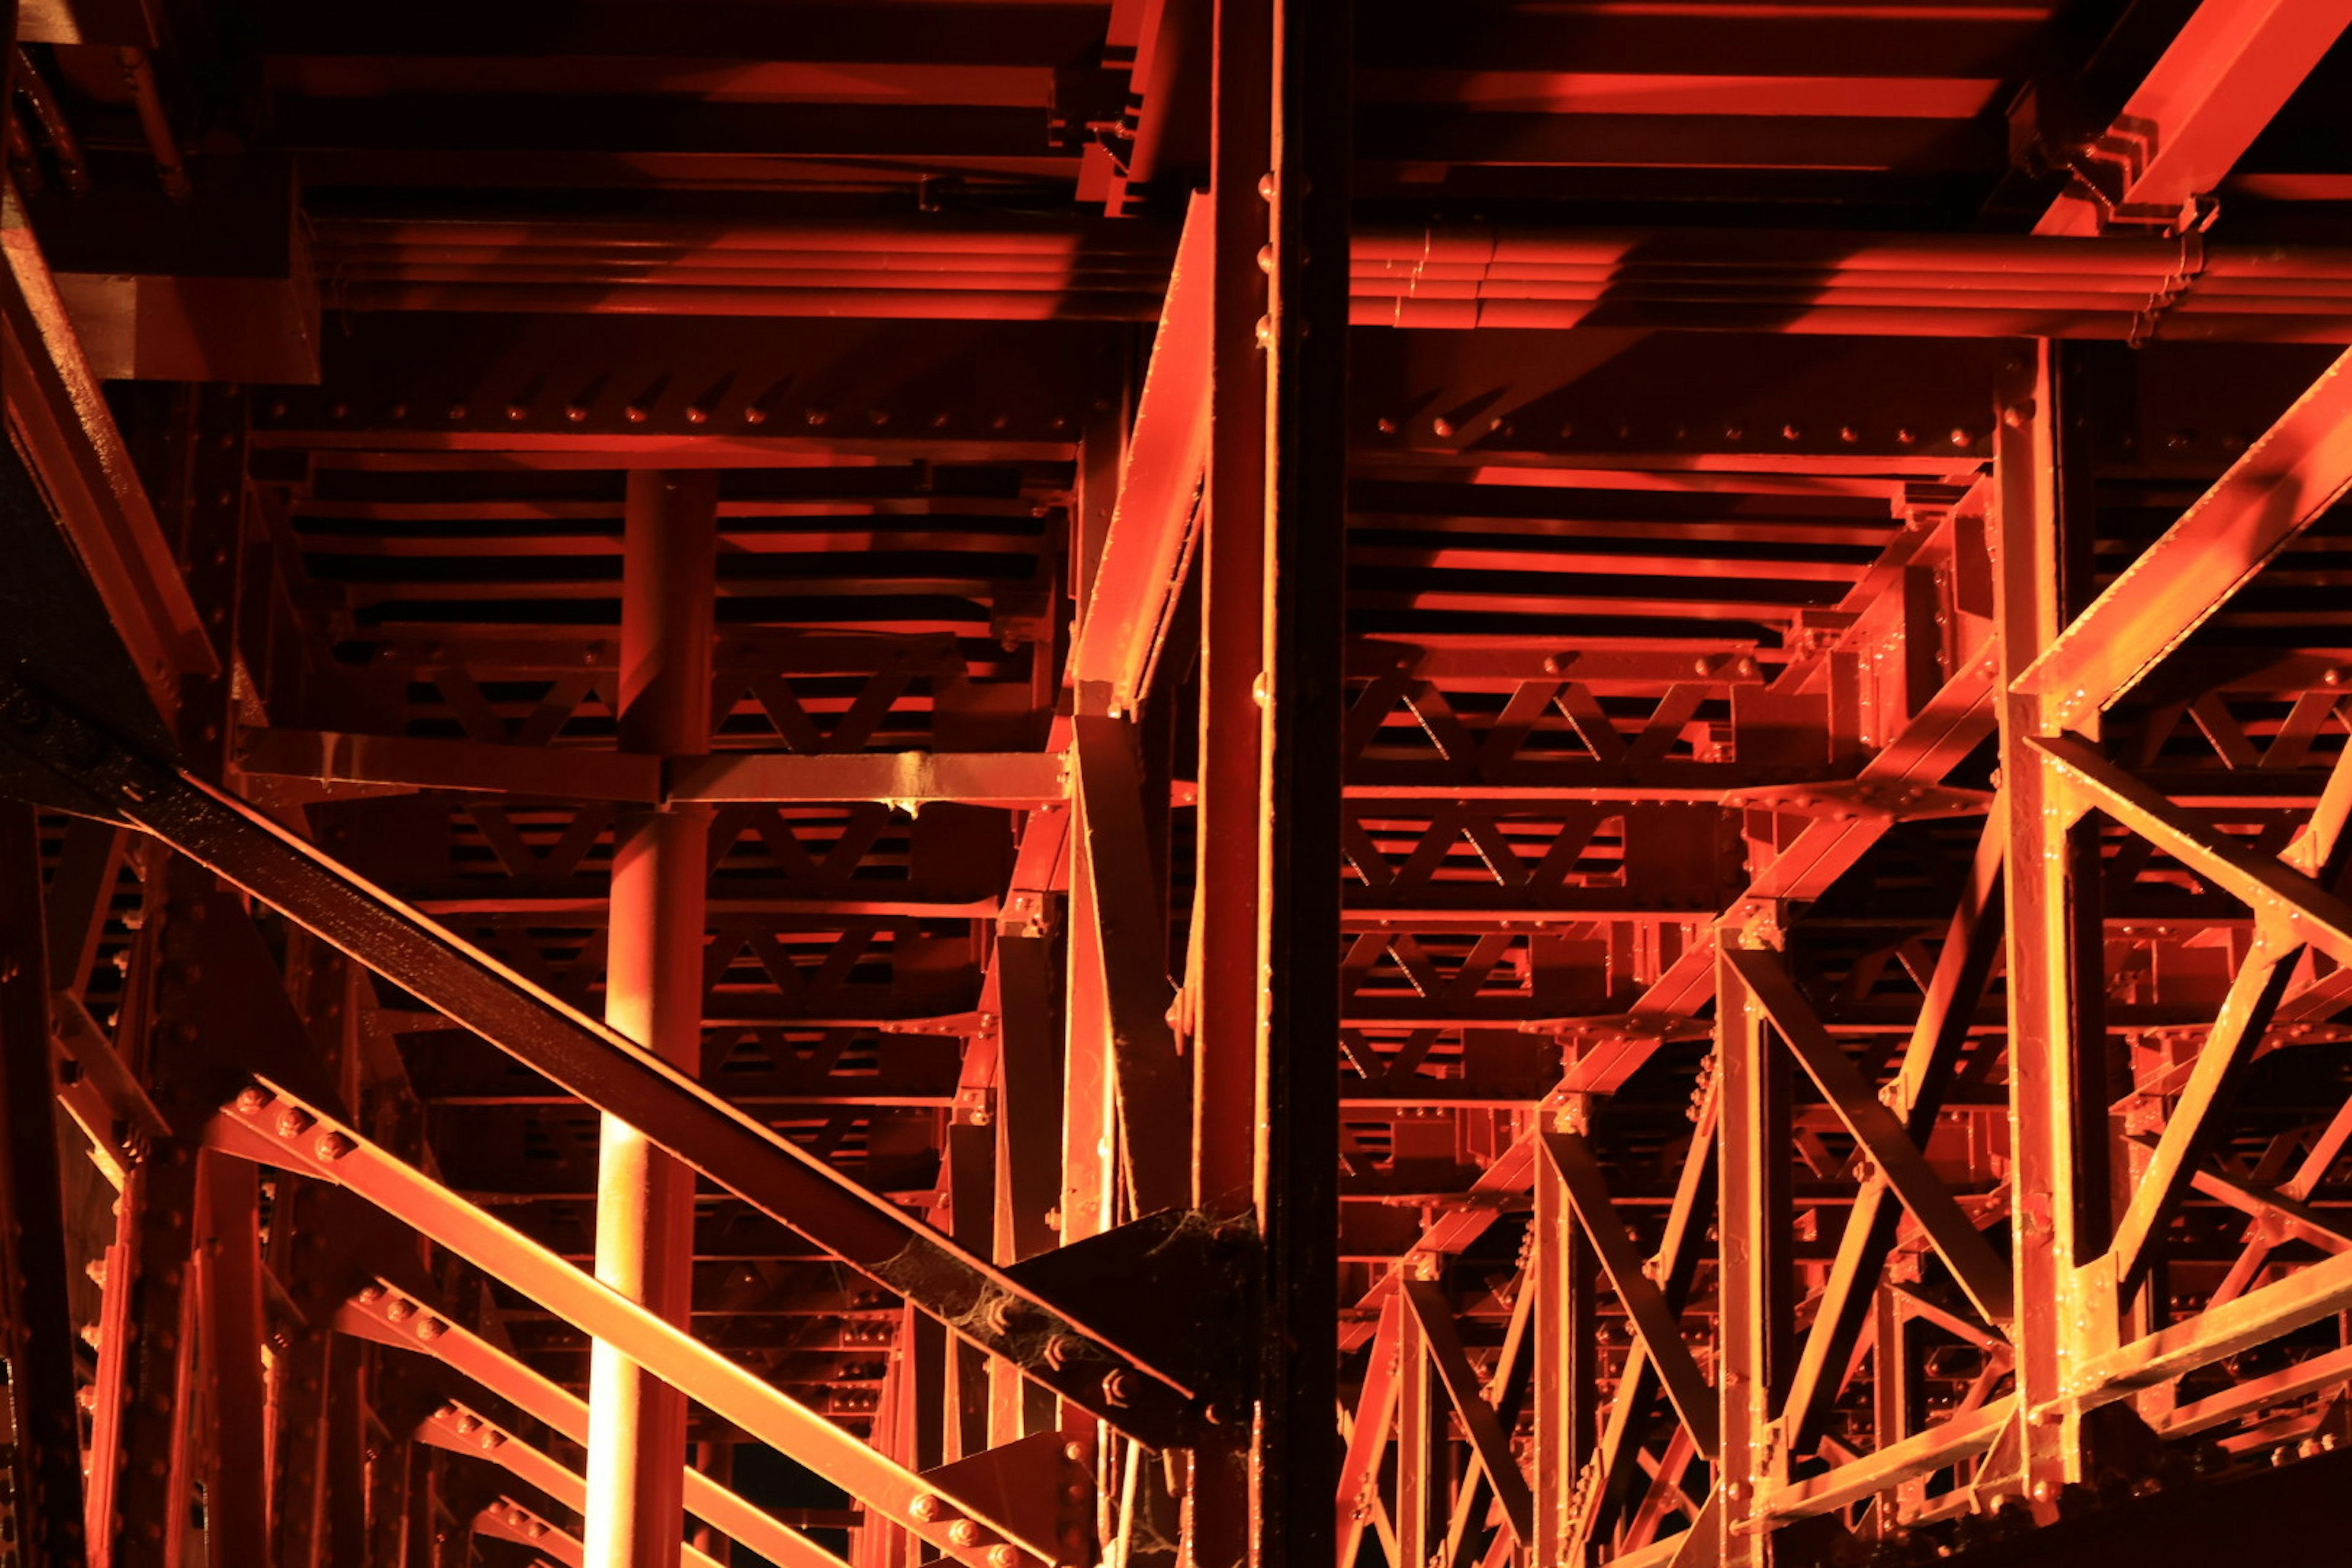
{"type": "Point", "coordinates": [988, 1307]}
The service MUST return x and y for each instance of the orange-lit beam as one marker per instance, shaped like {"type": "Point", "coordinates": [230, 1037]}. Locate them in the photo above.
{"type": "Point", "coordinates": [2227, 74]}
{"type": "Point", "coordinates": [370, 1315]}
{"type": "Point", "coordinates": [645, 1196]}
{"type": "Point", "coordinates": [1146, 554]}
{"type": "Point", "coordinates": [602, 1067]}
{"type": "Point", "coordinates": [460, 1430]}
{"type": "Point", "coordinates": [2284, 483]}
{"type": "Point", "coordinates": [269, 1126]}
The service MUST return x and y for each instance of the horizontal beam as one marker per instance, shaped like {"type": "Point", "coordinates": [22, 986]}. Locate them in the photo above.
{"type": "Point", "coordinates": [1019, 780]}
{"type": "Point", "coordinates": [1009, 779]}
{"type": "Point", "coordinates": [384, 762]}
{"type": "Point", "coordinates": [1453, 277]}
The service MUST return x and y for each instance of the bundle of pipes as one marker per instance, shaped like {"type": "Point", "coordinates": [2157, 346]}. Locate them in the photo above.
{"type": "Point", "coordinates": [1932, 286]}
{"type": "Point", "coordinates": [949, 269]}
{"type": "Point", "coordinates": [1450, 277]}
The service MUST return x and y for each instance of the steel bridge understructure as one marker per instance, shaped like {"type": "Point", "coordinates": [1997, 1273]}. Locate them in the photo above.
{"type": "Point", "coordinates": [1175, 784]}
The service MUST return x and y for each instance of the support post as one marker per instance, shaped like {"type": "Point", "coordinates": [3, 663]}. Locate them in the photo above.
{"type": "Point", "coordinates": [1755, 1288]}
{"type": "Point", "coordinates": [1224, 973]}
{"type": "Point", "coordinates": [1420, 1441]}
{"type": "Point", "coordinates": [2053, 868]}
{"type": "Point", "coordinates": [232, 1326]}
{"type": "Point", "coordinates": [644, 1197]}
{"type": "Point", "coordinates": [1563, 1276]}
{"type": "Point", "coordinates": [44, 1503]}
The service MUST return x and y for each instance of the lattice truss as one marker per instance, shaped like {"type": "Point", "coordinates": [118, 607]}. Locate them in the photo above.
{"type": "Point", "coordinates": [845, 829]}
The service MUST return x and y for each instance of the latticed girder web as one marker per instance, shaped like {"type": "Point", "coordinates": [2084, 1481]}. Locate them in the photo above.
{"type": "Point", "coordinates": [1175, 782]}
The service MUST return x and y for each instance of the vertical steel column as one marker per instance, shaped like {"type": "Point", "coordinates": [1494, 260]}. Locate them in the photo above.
{"type": "Point", "coordinates": [1055, 1124]}
{"type": "Point", "coordinates": [1265, 980]}
{"type": "Point", "coordinates": [345, 1417]}
{"type": "Point", "coordinates": [1090, 1089]}
{"type": "Point", "coordinates": [155, 1339]}
{"type": "Point", "coordinates": [42, 1431]}
{"type": "Point", "coordinates": [233, 1325]}
{"type": "Point", "coordinates": [972, 1219]}
{"type": "Point", "coordinates": [298, 1479]}
{"type": "Point", "coordinates": [422, 1523]}
{"type": "Point", "coordinates": [1228, 886]}
{"type": "Point", "coordinates": [1419, 1440]}
{"type": "Point", "coordinates": [1754, 1218]}
{"type": "Point", "coordinates": [1295, 1464]}
{"type": "Point", "coordinates": [645, 1198]}
{"type": "Point", "coordinates": [1562, 1272]}
{"type": "Point", "coordinates": [1894, 1398]}
{"type": "Point", "coordinates": [2051, 1011]}
{"type": "Point", "coordinates": [1233, 545]}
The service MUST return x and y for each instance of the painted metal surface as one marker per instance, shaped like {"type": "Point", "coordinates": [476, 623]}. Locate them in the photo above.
{"type": "Point", "coordinates": [1705, 926]}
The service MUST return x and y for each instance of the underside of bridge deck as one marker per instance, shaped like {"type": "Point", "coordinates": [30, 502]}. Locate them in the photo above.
{"type": "Point", "coordinates": [1175, 784]}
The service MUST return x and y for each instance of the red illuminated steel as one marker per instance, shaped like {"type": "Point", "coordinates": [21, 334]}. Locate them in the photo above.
{"type": "Point", "coordinates": [269, 1125]}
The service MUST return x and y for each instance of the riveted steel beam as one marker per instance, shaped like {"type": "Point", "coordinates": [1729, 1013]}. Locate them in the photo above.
{"type": "Point", "coordinates": [601, 1067]}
